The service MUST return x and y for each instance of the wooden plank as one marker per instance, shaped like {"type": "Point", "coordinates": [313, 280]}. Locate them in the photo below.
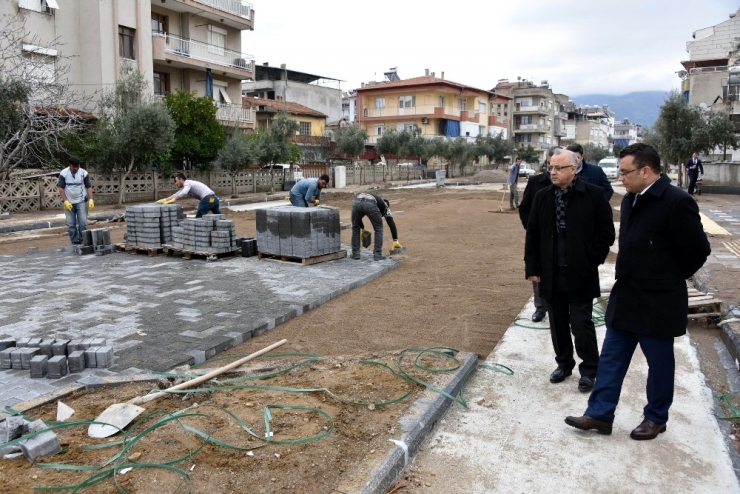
{"type": "Point", "coordinates": [702, 303]}
{"type": "Point", "coordinates": [699, 298]}
{"type": "Point", "coordinates": [304, 261]}
{"type": "Point", "coordinates": [699, 315]}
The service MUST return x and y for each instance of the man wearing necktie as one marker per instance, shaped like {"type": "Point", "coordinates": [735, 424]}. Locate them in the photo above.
{"type": "Point", "coordinates": [693, 169]}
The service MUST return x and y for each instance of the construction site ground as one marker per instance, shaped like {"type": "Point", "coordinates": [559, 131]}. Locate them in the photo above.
{"type": "Point", "coordinates": [459, 285]}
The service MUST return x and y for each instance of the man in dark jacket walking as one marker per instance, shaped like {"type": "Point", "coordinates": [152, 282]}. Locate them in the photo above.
{"type": "Point", "coordinates": [661, 244]}
{"type": "Point", "coordinates": [569, 232]}
{"type": "Point", "coordinates": [693, 168]}
{"type": "Point", "coordinates": [592, 174]}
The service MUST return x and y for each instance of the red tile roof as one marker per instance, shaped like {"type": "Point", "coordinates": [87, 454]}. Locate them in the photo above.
{"type": "Point", "coordinates": [419, 81]}
{"type": "Point", "coordinates": [289, 106]}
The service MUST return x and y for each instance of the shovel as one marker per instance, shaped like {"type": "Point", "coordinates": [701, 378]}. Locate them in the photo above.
{"type": "Point", "coordinates": [119, 415]}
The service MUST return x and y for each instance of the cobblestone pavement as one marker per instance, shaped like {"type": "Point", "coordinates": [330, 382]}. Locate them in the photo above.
{"type": "Point", "coordinates": [157, 312]}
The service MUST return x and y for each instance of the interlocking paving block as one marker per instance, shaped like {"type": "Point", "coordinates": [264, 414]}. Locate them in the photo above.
{"type": "Point", "coordinates": [15, 358]}
{"type": "Point", "coordinates": [76, 361]}
{"type": "Point", "coordinates": [43, 444]}
{"type": "Point", "coordinates": [12, 428]}
{"type": "Point", "coordinates": [39, 366]}
{"type": "Point", "coordinates": [45, 347]}
{"type": "Point", "coordinates": [22, 342]}
{"type": "Point", "coordinates": [57, 367]}
{"type": "Point", "coordinates": [104, 357]}
{"type": "Point", "coordinates": [85, 344]}
{"type": "Point", "coordinates": [97, 342]}
{"type": "Point", "coordinates": [90, 360]}
{"type": "Point", "coordinates": [87, 238]}
{"type": "Point", "coordinates": [74, 345]}
{"type": "Point", "coordinates": [5, 358]}
{"type": "Point", "coordinates": [60, 347]}
{"type": "Point", "coordinates": [7, 343]}
{"type": "Point", "coordinates": [34, 342]}
{"type": "Point", "coordinates": [26, 355]}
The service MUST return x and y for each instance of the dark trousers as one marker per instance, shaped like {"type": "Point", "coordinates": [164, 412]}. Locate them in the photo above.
{"type": "Point", "coordinates": [575, 317]}
{"type": "Point", "coordinates": [361, 208]}
{"type": "Point", "coordinates": [208, 203]}
{"type": "Point", "coordinates": [692, 183]}
{"type": "Point", "coordinates": [616, 355]}
{"type": "Point", "coordinates": [539, 304]}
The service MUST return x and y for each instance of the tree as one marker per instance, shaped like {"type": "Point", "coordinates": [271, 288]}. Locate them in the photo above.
{"type": "Point", "coordinates": [198, 134]}
{"type": "Point", "coordinates": [528, 154]}
{"type": "Point", "coordinates": [274, 143]}
{"type": "Point", "coordinates": [495, 148]}
{"type": "Point", "coordinates": [616, 149]}
{"type": "Point", "coordinates": [720, 133]}
{"type": "Point", "coordinates": [677, 126]}
{"type": "Point", "coordinates": [351, 141]}
{"type": "Point", "coordinates": [37, 105]}
{"type": "Point", "coordinates": [593, 153]}
{"type": "Point", "coordinates": [236, 156]}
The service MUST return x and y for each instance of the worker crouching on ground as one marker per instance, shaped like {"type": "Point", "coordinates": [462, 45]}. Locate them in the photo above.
{"type": "Point", "coordinates": [375, 208]}
{"type": "Point", "coordinates": [308, 191]}
{"type": "Point", "coordinates": [208, 199]}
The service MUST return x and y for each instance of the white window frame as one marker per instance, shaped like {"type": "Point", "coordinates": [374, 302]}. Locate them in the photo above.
{"type": "Point", "coordinates": [441, 102]}
{"type": "Point", "coordinates": [380, 103]}
{"type": "Point", "coordinates": [216, 40]}
{"type": "Point", "coordinates": [304, 128]}
{"type": "Point", "coordinates": [409, 127]}
{"type": "Point", "coordinates": [482, 107]}
{"type": "Point", "coordinates": [42, 6]}
{"type": "Point", "coordinates": [407, 101]}
{"type": "Point", "coordinates": [379, 130]}
{"type": "Point", "coordinates": [462, 104]}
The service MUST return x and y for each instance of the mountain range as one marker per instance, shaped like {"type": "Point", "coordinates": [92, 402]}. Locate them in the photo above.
{"type": "Point", "coordinates": [641, 107]}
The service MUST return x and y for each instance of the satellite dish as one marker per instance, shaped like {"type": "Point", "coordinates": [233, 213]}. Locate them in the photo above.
{"type": "Point", "coordinates": [703, 106]}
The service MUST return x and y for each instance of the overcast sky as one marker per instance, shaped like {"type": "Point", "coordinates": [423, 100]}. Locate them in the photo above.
{"type": "Point", "coordinates": [579, 46]}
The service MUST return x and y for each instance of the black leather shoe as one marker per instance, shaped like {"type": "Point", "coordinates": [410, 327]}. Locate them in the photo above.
{"type": "Point", "coordinates": [586, 423]}
{"type": "Point", "coordinates": [647, 430]}
{"type": "Point", "coordinates": [559, 375]}
{"type": "Point", "coordinates": [586, 383]}
{"type": "Point", "coordinates": [538, 315]}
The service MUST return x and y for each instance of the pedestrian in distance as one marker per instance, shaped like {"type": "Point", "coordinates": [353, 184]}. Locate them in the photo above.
{"type": "Point", "coordinates": [535, 183]}
{"type": "Point", "coordinates": [76, 190]}
{"type": "Point", "coordinates": [592, 174]}
{"type": "Point", "coordinates": [661, 244]}
{"type": "Point", "coordinates": [375, 208]}
{"type": "Point", "coordinates": [308, 191]}
{"type": "Point", "coordinates": [512, 181]}
{"type": "Point", "coordinates": [569, 232]}
{"type": "Point", "coordinates": [192, 188]}
{"type": "Point", "coordinates": [693, 168]}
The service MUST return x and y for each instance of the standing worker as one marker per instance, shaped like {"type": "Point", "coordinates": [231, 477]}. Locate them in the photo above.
{"type": "Point", "coordinates": [512, 181]}
{"type": "Point", "coordinates": [76, 190]}
{"type": "Point", "coordinates": [569, 232]}
{"type": "Point", "coordinates": [661, 244]}
{"type": "Point", "coordinates": [693, 169]}
{"type": "Point", "coordinates": [208, 199]}
{"type": "Point", "coordinates": [308, 191]}
{"type": "Point", "coordinates": [375, 208]}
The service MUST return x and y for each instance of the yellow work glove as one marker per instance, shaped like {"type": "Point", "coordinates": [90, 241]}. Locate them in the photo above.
{"type": "Point", "coordinates": [396, 245]}
{"type": "Point", "coordinates": [287, 198]}
{"type": "Point", "coordinates": [161, 201]}
{"type": "Point", "coordinates": [91, 204]}
{"type": "Point", "coordinates": [68, 205]}
{"type": "Point", "coordinates": [166, 201]}
{"type": "Point", "coordinates": [362, 233]}
{"type": "Point", "coordinates": [316, 202]}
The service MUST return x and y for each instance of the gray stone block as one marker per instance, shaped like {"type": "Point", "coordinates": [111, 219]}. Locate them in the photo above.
{"type": "Point", "coordinates": [57, 367]}
{"type": "Point", "coordinates": [74, 345]}
{"type": "Point", "coordinates": [11, 428]}
{"type": "Point", "coordinates": [6, 343]}
{"type": "Point", "coordinates": [90, 360]}
{"type": "Point", "coordinates": [104, 357]}
{"type": "Point", "coordinates": [97, 342]}
{"type": "Point", "coordinates": [44, 444]}
{"type": "Point", "coordinates": [22, 342]}
{"type": "Point", "coordinates": [34, 342]}
{"type": "Point", "coordinates": [26, 355]}
{"type": "Point", "coordinates": [39, 366]}
{"type": "Point", "coordinates": [76, 361]}
{"type": "Point", "coordinates": [45, 347]}
{"type": "Point", "coordinates": [6, 358]}
{"type": "Point", "coordinates": [85, 344]}
{"type": "Point", "coordinates": [60, 347]}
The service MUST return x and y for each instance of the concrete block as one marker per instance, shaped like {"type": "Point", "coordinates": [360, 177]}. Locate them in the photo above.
{"type": "Point", "coordinates": [104, 357]}
{"type": "Point", "coordinates": [45, 347]}
{"type": "Point", "coordinates": [57, 367]}
{"type": "Point", "coordinates": [6, 359]}
{"type": "Point", "coordinates": [74, 345]}
{"type": "Point", "coordinates": [26, 355]}
{"type": "Point", "coordinates": [22, 342]}
{"type": "Point", "coordinates": [39, 366]}
{"type": "Point", "coordinates": [44, 444]}
{"type": "Point", "coordinates": [87, 238]}
{"type": "Point", "coordinates": [6, 343]}
{"type": "Point", "coordinates": [90, 360]}
{"type": "Point", "coordinates": [60, 347]}
{"type": "Point", "coordinates": [11, 428]}
{"type": "Point", "coordinates": [34, 342]}
{"type": "Point", "coordinates": [15, 358]}
{"type": "Point", "coordinates": [97, 342]}
{"type": "Point", "coordinates": [76, 361]}
{"type": "Point", "coordinates": [85, 344]}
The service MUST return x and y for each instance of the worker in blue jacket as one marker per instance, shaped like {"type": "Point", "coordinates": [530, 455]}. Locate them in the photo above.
{"type": "Point", "coordinates": [308, 191]}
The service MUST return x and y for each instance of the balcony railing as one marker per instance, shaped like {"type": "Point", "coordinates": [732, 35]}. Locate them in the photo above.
{"type": "Point", "coordinates": [532, 108]}
{"type": "Point", "coordinates": [236, 7]}
{"type": "Point", "coordinates": [701, 70]}
{"type": "Point", "coordinates": [204, 52]}
{"type": "Point", "coordinates": [531, 128]}
{"type": "Point", "coordinates": [421, 110]}
{"type": "Point", "coordinates": [562, 115]}
{"type": "Point", "coordinates": [233, 113]}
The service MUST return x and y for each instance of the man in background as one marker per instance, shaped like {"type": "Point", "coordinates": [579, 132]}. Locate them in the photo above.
{"type": "Point", "coordinates": [693, 168]}
{"type": "Point", "coordinates": [592, 174]}
{"type": "Point", "coordinates": [512, 181]}
{"type": "Point", "coordinates": [76, 190]}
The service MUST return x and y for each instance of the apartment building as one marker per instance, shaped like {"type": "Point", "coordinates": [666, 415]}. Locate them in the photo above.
{"type": "Point", "coordinates": [499, 118]}
{"type": "Point", "coordinates": [193, 45]}
{"type": "Point", "coordinates": [439, 107]}
{"type": "Point", "coordinates": [626, 133]}
{"type": "Point", "coordinates": [537, 116]}
{"type": "Point", "coordinates": [320, 93]}
{"type": "Point", "coordinates": [588, 124]}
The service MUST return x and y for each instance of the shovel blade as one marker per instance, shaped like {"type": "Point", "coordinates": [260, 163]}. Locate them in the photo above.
{"type": "Point", "coordinates": [113, 419]}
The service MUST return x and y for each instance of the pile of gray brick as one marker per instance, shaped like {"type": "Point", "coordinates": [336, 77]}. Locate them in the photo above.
{"type": "Point", "coordinates": [212, 233]}
{"type": "Point", "coordinates": [298, 232]}
{"type": "Point", "coordinates": [54, 358]}
{"type": "Point", "coordinates": [95, 242]}
{"type": "Point", "coordinates": [151, 225]}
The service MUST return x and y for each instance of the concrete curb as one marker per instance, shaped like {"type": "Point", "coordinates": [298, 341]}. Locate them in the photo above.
{"type": "Point", "coordinates": [730, 334]}
{"type": "Point", "coordinates": [416, 426]}
{"type": "Point", "coordinates": [42, 225]}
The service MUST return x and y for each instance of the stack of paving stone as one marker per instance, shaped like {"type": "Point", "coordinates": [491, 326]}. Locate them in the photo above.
{"type": "Point", "coordinates": [54, 358]}
{"type": "Point", "coordinates": [95, 242]}
{"type": "Point", "coordinates": [298, 232]}
{"type": "Point", "coordinates": [150, 226]}
{"type": "Point", "coordinates": [211, 234]}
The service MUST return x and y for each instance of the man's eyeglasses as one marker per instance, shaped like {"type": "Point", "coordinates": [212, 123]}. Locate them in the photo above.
{"type": "Point", "coordinates": [622, 173]}
{"type": "Point", "coordinates": [558, 168]}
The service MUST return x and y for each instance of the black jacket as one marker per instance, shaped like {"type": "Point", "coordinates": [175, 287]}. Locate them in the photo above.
{"type": "Point", "coordinates": [594, 175]}
{"type": "Point", "coordinates": [696, 171]}
{"type": "Point", "coordinates": [535, 183]}
{"type": "Point", "coordinates": [589, 234]}
{"type": "Point", "coordinates": [661, 243]}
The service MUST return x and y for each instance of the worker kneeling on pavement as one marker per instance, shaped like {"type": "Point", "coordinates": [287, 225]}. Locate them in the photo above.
{"type": "Point", "coordinates": [208, 199]}
{"type": "Point", "coordinates": [375, 208]}
{"type": "Point", "coordinates": [308, 191]}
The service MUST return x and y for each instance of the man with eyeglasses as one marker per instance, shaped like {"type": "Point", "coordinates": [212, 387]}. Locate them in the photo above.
{"type": "Point", "coordinates": [569, 232]}
{"type": "Point", "coordinates": [536, 183]}
{"type": "Point", "coordinates": [592, 174]}
{"type": "Point", "coordinates": [661, 244]}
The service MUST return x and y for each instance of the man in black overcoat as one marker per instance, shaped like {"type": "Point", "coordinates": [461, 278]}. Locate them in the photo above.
{"type": "Point", "coordinates": [693, 169]}
{"type": "Point", "coordinates": [661, 244]}
{"type": "Point", "coordinates": [569, 232]}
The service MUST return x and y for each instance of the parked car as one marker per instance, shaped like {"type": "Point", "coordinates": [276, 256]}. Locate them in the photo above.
{"type": "Point", "coordinates": [610, 166]}
{"type": "Point", "coordinates": [283, 167]}
{"type": "Point", "coordinates": [526, 170]}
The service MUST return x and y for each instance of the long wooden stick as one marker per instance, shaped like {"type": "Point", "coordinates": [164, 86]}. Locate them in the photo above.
{"type": "Point", "coordinates": [187, 384]}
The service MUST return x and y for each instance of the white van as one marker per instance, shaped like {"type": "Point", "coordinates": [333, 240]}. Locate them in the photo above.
{"type": "Point", "coordinates": [610, 165]}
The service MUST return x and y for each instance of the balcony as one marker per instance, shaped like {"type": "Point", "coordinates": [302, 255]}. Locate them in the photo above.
{"type": "Point", "coordinates": [234, 113]}
{"type": "Point", "coordinates": [532, 128]}
{"type": "Point", "coordinates": [559, 132]}
{"type": "Point", "coordinates": [186, 53]}
{"type": "Point", "coordinates": [421, 111]}
{"type": "Point", "coordinates": [531, 109]}
{"type": "Point", "coordinates": [234, 13]}
{"type": "Point", "coordinates": [561, 115]}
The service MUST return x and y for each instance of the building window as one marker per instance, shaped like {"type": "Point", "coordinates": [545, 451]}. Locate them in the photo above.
{"type": "Point", "coordinates": [126, 42]}
{"type": "Point", "coordinates": [379, 103]}
{"type": "Point", "coordinates": [481, 107]}
{"type": "Point", "coordinates": [217, 40]}
{"type": "Point", "coordinates": [159, 24]}
{"type": "Point", "coordinates": [481, 130]}
{"type": "Point", "coordinates": [305, 128]}
{"type": "Point", "coordinates": [462, 104]}
{"type": "Point", "coordinates": [409, 127]}
{"type": "Point", "coordinates": [44, 6]}
{"type": "Point", "coordinates": [525, 120]}
{"type": "Point", "coordinates": [379, 130]}
{"type": "Point", "coordinates": [407, 101]}
{"type": "Point", "coordinates": [161, 83]}
{"type": "Point", "coordinates": [441, 102]}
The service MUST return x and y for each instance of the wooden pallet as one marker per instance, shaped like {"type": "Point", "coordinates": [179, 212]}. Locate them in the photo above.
{"type": "Point", "coordinates": [305, 261]}
{"type": "Point", "coordinates": [138, 249]}
{"type": "Point", "coordinates": [701, 305]}
{"type": "Point", "coordinates": [208, 256]}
